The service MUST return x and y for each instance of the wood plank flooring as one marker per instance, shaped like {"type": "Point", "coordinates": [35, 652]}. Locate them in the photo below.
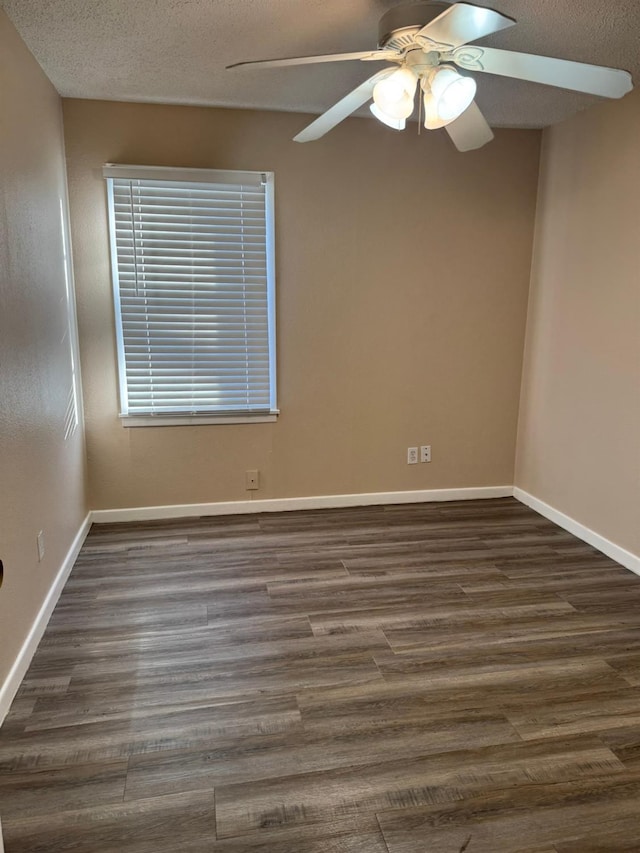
{"type": "Point", "coordinates": [434, 678]}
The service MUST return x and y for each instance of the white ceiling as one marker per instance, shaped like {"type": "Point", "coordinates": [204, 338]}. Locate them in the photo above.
{"type": "Point", "coordinates": [175, 51]}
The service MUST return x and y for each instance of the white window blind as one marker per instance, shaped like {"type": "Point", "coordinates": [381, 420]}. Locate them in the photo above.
{"type": "Point", "coordinates": [193, 276]}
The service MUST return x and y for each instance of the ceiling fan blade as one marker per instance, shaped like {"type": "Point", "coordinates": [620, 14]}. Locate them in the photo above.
{"type": "Point", "coordinates": [578, 76]}
{"type": "Point", "coordinates": [342, 109]}
{"type": "Point", "coordinates": [463, 23]}
{"type": "Point", "coordinates": [371, 55]}
{"type": "Point", "coordinates": [470, 130]}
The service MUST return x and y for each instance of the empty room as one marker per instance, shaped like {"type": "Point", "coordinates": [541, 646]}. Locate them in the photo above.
{"type": "Point", "coordinates": [319, 427]}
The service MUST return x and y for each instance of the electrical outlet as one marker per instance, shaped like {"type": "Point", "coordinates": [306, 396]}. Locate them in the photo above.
{"type": "Point", "coordinates": [425, 453]}
{"type": "Point", "coordinates": [412, 455]}
{"type": "Point", "coordinates": [40, 540]}
{"type": "Point", "coordinates": [252, 480]}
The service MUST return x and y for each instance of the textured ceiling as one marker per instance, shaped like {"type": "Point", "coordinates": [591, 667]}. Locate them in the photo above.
{"type": "Point", "coordinates": [175, 51]}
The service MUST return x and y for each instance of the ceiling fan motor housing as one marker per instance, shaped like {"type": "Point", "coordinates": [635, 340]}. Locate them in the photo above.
{"type": "Point", "coordinates": [398, 26]}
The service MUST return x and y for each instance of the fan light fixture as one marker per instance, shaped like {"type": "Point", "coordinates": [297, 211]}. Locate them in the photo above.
{"type": "Point", "coordinates": [393, 97]}
{"type": "Point", "coordinates": [447, 95]}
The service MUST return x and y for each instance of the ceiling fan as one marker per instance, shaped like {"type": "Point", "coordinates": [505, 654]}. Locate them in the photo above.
{"type": "Point", "coordinates": [426, 43]}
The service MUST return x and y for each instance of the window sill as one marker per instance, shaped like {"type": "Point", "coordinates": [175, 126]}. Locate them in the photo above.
{"type": "Point", "coordinates": [195, 420]}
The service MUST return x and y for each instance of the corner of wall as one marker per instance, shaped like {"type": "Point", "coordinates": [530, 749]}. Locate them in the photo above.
{"type": "Point", "coordinates": [527, 341]}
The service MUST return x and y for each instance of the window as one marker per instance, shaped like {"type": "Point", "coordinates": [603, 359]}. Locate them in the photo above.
{"type": "Point", "coordinates": [193, 280]}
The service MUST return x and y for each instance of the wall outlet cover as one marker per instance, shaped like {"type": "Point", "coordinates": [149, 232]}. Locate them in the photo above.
{"type": "Point", "coordinates": [252, 480]}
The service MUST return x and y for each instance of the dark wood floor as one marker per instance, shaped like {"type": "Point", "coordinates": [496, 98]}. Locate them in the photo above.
{"type": "Point", "coordinates": [437, 677]}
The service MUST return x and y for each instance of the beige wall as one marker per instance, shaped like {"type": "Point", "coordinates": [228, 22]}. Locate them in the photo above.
{"type": "Point", "coordinates": [42, 475]}
{"type": "Point", "coordinates": [402, 280]}
{"type": "Point", "coordinates": [579, 433]}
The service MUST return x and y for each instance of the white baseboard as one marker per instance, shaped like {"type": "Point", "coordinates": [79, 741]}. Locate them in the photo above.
{"type": "Point", "coordinates": [21, 664]}
{"type": "Point", "coordinates": [150, 513]}
{"type": "Point", "coordinates": [620, 555]}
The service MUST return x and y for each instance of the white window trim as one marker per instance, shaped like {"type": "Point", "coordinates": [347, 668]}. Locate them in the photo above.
{"type": "Point", "coordinates": [196, 420]}
{"type": "Point", "coordinates": [111, 170]}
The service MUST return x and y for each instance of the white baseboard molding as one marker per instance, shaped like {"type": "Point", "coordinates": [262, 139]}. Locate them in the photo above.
{"type": "Point", "coordinates": [21, 664]}
{"type": "Point", "coordinates": [616, 552]}
{"type": "Point", "coordinates": [153, 513]}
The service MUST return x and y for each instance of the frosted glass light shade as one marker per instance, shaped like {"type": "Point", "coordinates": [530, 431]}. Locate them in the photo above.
{"type": "Point", "coordinates": [394, 95]}
{"type": "Point", "coordinates": [447, 95]}
{"type": "Point", "coordinates": [456, 98]}
{"type": "Point", "coordinates": [395, 123]}
{"type": "Point", "coordinates": [432, 120]}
